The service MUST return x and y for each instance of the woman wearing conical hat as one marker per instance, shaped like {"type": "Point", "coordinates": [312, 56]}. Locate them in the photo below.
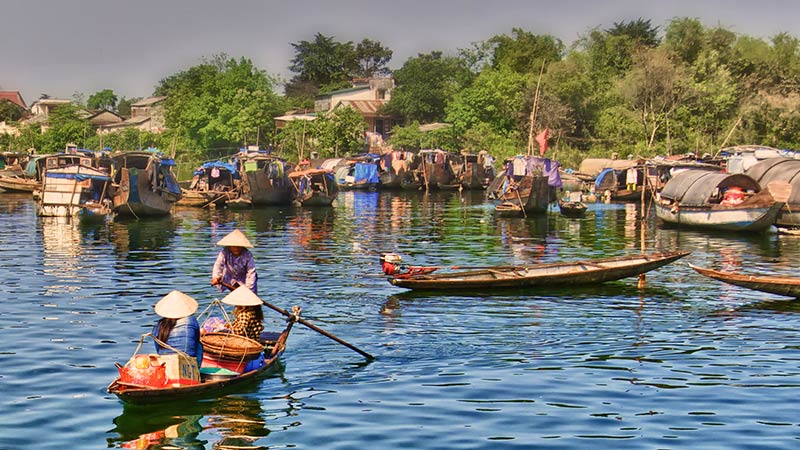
{"type": "Point", "coordinates": [178, 328]}
{"type": "Point", "coordinates": [235, 265]}
{"type": "Point", "coordinates": [248, 315]}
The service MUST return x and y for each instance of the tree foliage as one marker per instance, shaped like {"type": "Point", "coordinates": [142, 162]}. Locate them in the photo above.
{"type": "Point", "coordinates": [425, 84]}
{"type": "Point", "coordinates": [105, 99]}
{"type": "Point", "coordinates": [221, 104]}
{"type": "Point", "coordinates": [524, 52]}
{"type": "Point", "coordinates": [324, 64]}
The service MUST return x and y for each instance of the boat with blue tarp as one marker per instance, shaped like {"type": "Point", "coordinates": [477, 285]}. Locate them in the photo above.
{"type": "Point", "coordinates": [144, 184]}
{"type": "Point", "coordinates": [213, 184]}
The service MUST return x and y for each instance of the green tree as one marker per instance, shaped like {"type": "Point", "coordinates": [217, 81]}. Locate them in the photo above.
{"type": "Point", "coordinates": [410, 137]}
{"type": "Point", "coordinates": [221, 103]}
{"type": "Point", "coordinates": [524, 52]}
{"type": "Point", "coordinates": [494, 98]}
{"type": "Point", "coordinates": [372, 59]}
{"type": "Point", "coordinates": [686, 38]}
{"type": "Point", "coordinates": [640, 31]}
{"type": "Point", "coordinates": [124, 106]}
{"type": "Point", "coordinates": [323, 64]}
{"type": "Point", "coordinates": [653, 88]}
{"type": "Point", "coordinates": [425, 84]}
{"type": "Point", "coordinates": [10, 111]}
{"type": "Point", "coordinates": [105, 99]}
{"type": "Point", "coordinates": [340, 132]}
{"type": "Point", "coordinates": [65, 126]}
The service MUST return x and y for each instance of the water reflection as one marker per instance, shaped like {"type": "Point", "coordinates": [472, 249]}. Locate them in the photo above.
{"type": "Point", "coordinates": [142, 240]}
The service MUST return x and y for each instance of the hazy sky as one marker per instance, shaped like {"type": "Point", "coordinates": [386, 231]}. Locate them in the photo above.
{"type": "Point", "coordinates": [60, 47]}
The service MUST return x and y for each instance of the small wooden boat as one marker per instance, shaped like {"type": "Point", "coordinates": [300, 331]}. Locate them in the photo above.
{"type": "Point", "coordinates": [315, 187]}
{"type": "Point", "coordinates": [264, 180]}
{"type": "Point", "coordinates": [697, 198]}
{"type": "Point", "coordinates": [13, 183]}
{"type": "Point", "coordinates": [787, 286]}
{"type": "Point", "coordinates": [553, 274]}
{"type": "Point", "coordinates": [212, 185]}
{"type": "Point", "coordinates": [573, 210]}
{"type": "Point", "coordinates": [209, 386]}
{"type": "Point", "coordinates": [526, 186]}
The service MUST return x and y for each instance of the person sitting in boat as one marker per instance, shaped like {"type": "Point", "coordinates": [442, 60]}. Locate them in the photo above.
{"type": "Point", "coordinates": [235, 264]}
{"type": "Point", "coordinates": [734, 195]}
{"type": "Point", "coordinates": [390, 263]}
{"type": "Point", "coordinates": [178, 328]}
{"type": "Point", "coordinates": [248, 315]}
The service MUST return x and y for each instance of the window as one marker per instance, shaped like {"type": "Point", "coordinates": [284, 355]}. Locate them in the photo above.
{"type": "Point", "coordinates": [381, 94]}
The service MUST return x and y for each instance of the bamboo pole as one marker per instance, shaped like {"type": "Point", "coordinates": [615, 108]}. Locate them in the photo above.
{"type": "Point", "coordinates": [533, 110]}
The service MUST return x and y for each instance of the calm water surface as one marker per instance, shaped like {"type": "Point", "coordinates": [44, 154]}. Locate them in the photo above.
{"type": "Point", "coordinates": [685, 363]}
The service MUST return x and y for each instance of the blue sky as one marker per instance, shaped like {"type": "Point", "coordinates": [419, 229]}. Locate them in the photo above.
{"type": "Point", "coordinates": [61, 47]}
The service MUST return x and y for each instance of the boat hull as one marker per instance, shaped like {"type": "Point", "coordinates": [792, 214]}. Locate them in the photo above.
{"type": "Point", "coordinates": [18, 184]}
{"type": "Point", "coordinates": [135, 197]}
{"type": "Point", "coordinates": [555, 274]}
{"type": "Point", "coordinates": [786, 286]}
{"type": "Point", "coordinates": [754, 219]}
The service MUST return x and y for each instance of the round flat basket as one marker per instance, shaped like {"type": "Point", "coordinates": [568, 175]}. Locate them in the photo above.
{"type": "Point", "coordinates": [231, 346]}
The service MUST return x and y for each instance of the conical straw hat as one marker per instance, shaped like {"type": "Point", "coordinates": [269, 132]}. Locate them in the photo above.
{"type": "Point", "coordinates": [235, 239]}
{"type": "Point", "coordinates": [242, 296]}
{"type": "Point", "coordinates": [176, 305]}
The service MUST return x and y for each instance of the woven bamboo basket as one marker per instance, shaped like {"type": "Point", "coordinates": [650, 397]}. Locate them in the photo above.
{"type": "Point", "coordinates": [231, 346]}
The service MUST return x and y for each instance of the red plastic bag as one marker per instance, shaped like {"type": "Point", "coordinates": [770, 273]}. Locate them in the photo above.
{"type": "Point", "coordinates": [140, 370]}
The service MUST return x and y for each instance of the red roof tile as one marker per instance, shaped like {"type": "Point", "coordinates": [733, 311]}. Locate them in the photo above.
{"type": "Point", "coordinates": [14, 97]}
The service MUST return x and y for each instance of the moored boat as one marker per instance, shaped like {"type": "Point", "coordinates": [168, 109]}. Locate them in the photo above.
{"type": "Point", "coordinates": [571, 209]}
{"type": "Point", "coordinates": [526, 186]}
{"type": "Point", "coordinates": [264, 178]}
{"type": "Point", "coordinates": [144, 184]}
{"type": "Point", "coordinates": [314, 187]}
{"type": "Point", "coordinates": [551, 274]}
{"type": "Point", "coordinates": [356, 173]}
{"type": "Point", "coordinates": [786, 286]}
{"type": "Point", "coordinates": [213, 184]}
{"type": "Point", "coordinates": [75, 190]}
{"type": "Point", "coordinates": [720, 201]}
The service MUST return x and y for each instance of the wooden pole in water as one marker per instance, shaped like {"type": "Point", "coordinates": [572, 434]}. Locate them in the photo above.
{"type": "Point", "coordinates": [642, 276]}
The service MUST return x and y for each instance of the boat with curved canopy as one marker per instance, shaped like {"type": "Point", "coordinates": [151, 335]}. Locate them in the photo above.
{"type": "Point", "coordinates": [720, 201]}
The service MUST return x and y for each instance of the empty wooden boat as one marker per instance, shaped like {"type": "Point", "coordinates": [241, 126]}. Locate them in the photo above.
{"type": "Point", "coordinates": [552, 274]}
{"type": "Point", "coordinates": [787, 286]}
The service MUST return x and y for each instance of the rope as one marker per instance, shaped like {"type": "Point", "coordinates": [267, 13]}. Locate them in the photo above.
{"type": "Point", "coordinates": [160, 343]}
{"type": "Point", "coordinates": [131, 210]}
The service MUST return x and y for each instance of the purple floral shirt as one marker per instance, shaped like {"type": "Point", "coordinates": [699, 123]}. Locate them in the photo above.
{"type": "Point", "coordinates": [241, 269]}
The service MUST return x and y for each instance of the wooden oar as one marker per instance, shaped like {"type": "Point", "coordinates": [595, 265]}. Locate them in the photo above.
{"type": "Point", "coordinates": [310, 325]}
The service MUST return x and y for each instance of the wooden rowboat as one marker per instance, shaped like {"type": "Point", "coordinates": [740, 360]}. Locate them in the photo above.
{"type": "Point", "coordinates": [138, 394]}
{"type": "Point", "coordinates": [787, 286]}
{"type": "Point", "coordinates": [574, 210]}
{"type": "Point", "coordinates": [553, 274]}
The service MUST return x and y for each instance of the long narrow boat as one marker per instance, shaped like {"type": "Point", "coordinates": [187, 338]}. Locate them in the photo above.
{"type": "Point", "coordinates": [553, 274]}
{"type": "Point", "coordinates": [786, 286]}
{"type": "Point", "coordinates": [138, 394]}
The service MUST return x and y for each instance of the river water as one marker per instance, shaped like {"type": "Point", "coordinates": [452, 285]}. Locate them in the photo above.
{"type": "Point", "coordinates": [686, 362]}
